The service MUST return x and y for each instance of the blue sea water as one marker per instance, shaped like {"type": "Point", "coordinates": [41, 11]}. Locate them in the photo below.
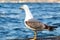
{"type": "Point", "coordinates": [12, 19]}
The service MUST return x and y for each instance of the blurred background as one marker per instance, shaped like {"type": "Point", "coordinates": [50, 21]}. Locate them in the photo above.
{"type": "Point", "coordinates": [20, 1]}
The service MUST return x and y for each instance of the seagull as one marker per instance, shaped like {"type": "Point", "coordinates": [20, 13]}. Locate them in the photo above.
{"type": "Point", "coordinates": [34, 24]}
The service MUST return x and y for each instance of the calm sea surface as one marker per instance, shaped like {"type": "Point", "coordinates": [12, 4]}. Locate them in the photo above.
{"type": "Point", "coordinates": [12, 19]}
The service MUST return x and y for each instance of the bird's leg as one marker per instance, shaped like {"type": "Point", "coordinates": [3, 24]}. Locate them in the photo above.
{"type": "Point", "coordinates": [35, 35]}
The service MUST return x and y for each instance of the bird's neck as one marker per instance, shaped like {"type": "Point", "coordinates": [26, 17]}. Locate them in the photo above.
{"type": "Point", "coordinates": [28, 14]}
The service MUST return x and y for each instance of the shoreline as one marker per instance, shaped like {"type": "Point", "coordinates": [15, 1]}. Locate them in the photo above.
{"type": "Point", "coordinates": [29, 2]}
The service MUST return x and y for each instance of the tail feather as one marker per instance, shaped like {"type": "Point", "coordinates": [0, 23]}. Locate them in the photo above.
{"type": "Point", "coordinates": [50, 28]}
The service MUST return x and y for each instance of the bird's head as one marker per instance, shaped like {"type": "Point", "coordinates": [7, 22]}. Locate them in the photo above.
{"type": "Point", "coordinates": [24, 7]}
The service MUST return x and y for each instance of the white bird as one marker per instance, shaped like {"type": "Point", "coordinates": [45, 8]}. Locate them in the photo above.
{"type": "Point", "coordinates": [33, 23]}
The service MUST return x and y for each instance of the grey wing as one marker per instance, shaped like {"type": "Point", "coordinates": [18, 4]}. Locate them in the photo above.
{"type": "Point", "coordinates": [35, 24]}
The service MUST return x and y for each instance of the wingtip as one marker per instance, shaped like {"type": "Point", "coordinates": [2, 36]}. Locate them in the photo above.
{"type": "Point", "coordinates": [50, 28]}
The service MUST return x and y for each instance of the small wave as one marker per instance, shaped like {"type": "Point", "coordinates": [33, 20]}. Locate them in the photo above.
{"type": "Point", "coordinates": [46, 16]}
{"type": "Point", "coordinates": [58, 24]}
